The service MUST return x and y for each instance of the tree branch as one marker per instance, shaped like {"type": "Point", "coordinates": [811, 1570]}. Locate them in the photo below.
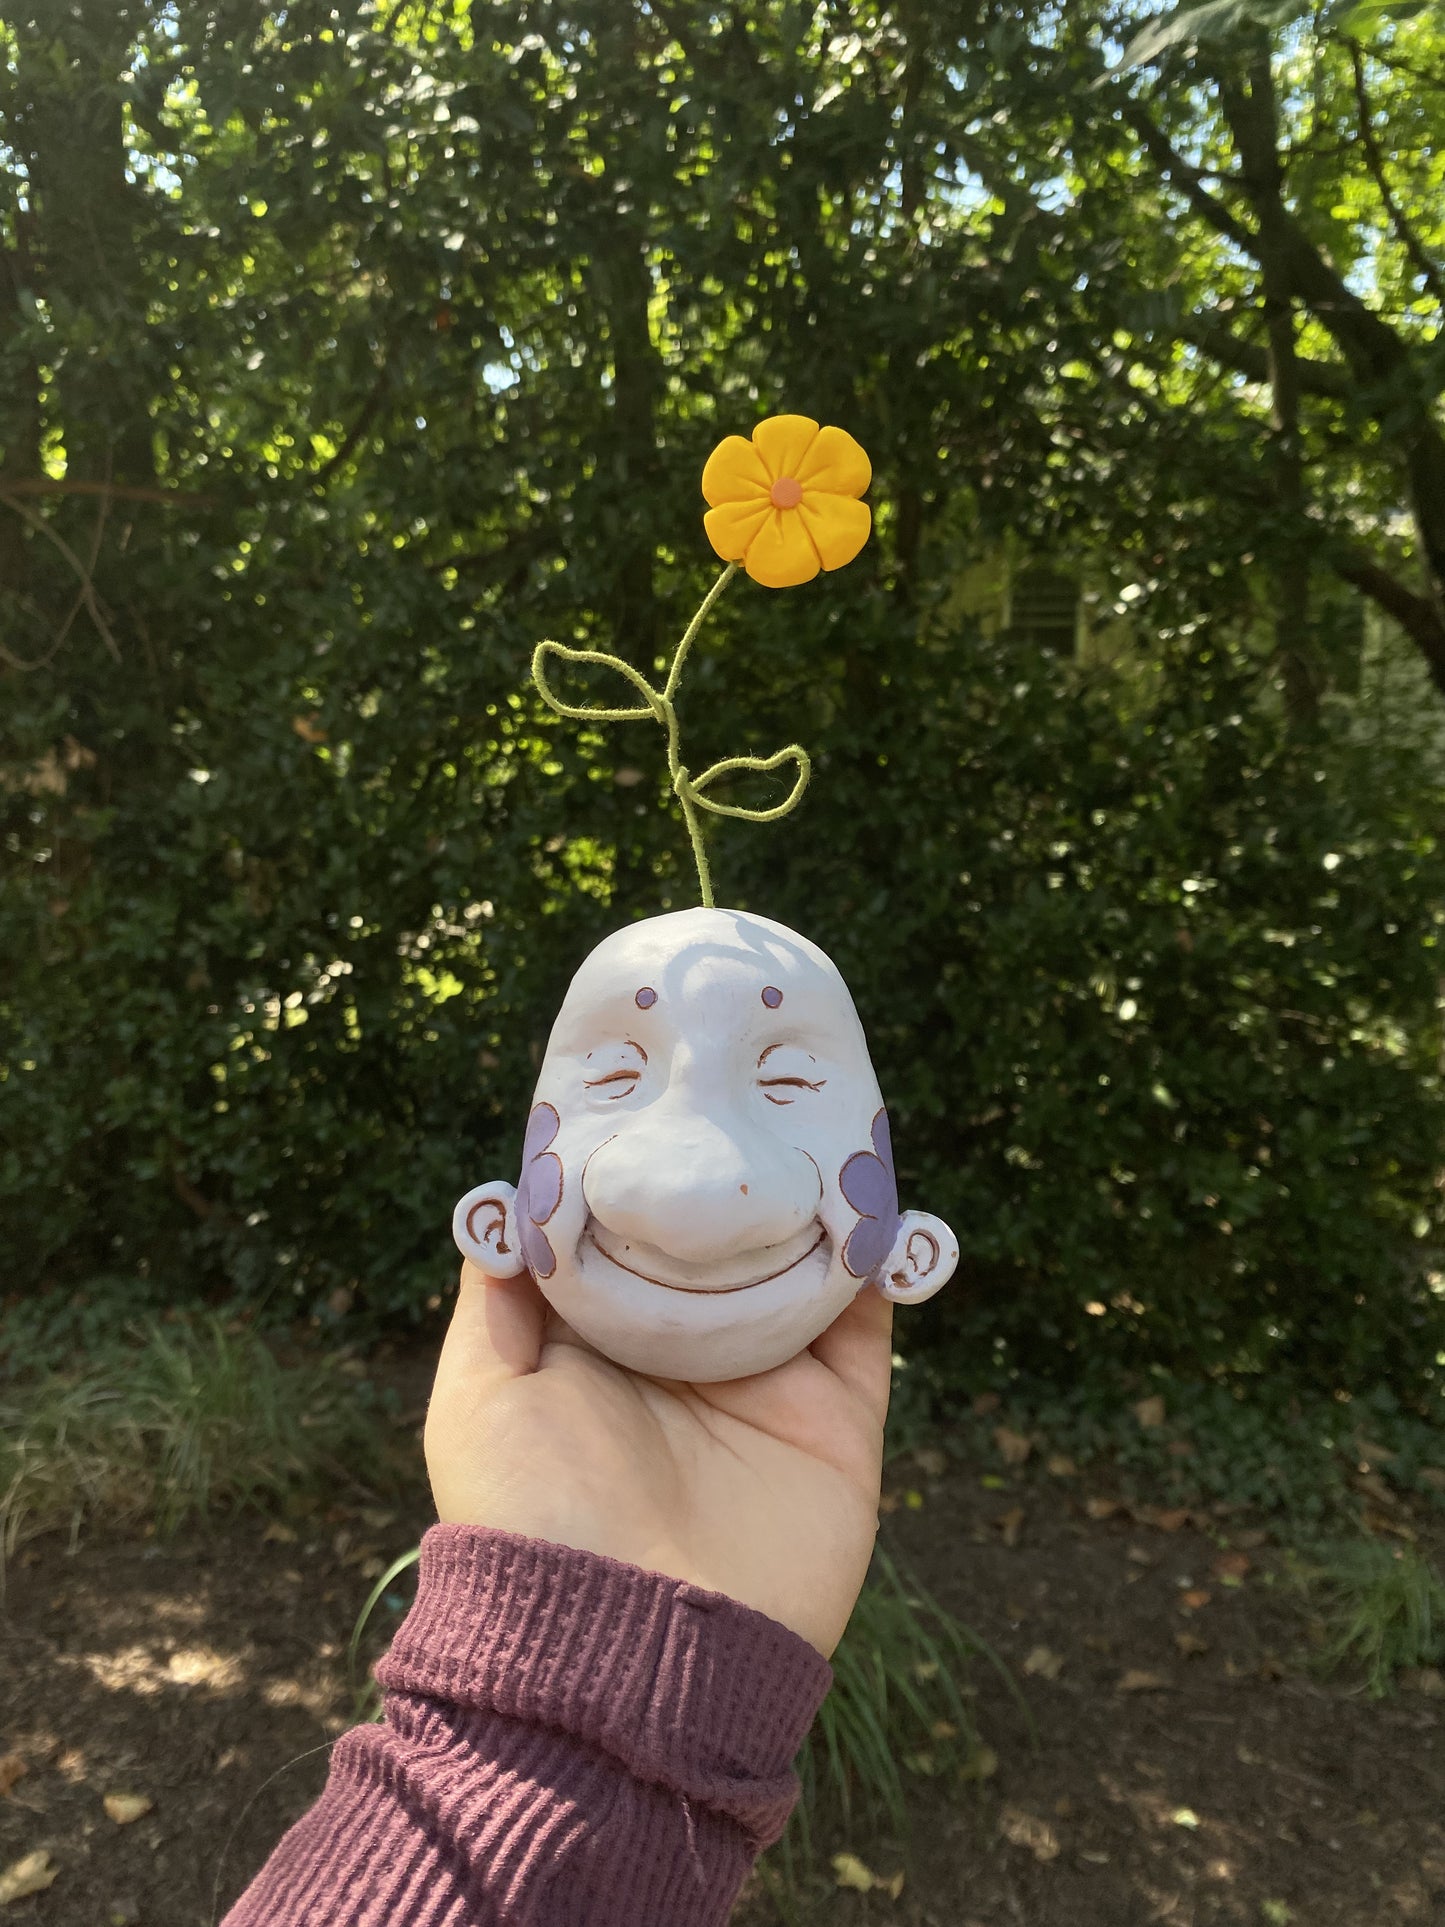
{"type": "Point", "coordinates": [1375, 160]}
{"type": "Point", "coordinates": [112, 491]}
{"type": "Point", "coordinates": [1414, 613]}
{"type": "Point", "coordinates": [83, 572]}
{"type": "Point", "coordinates": [1218, 340]}
{"type": "Point", "coordinates": [364, 419]}
{"type": "Point", "coordinates": [1188, 178]}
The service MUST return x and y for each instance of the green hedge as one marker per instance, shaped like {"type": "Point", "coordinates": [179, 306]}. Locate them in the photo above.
{"type": "Point", "coordinates": [344, 356]}
{"type": "Point", "coordinates": [1152, 990]}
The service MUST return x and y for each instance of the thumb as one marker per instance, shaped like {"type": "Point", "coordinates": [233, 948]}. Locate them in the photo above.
{"type": "Point", "coordinates": [495, 1333]}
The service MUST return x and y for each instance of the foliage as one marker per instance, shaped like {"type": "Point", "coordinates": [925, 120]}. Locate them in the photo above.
{"type": "Point", "coordinates": [898, 1708]}
{"type": "Point", "coordinates": [1278, 1452]}
{"type": "Point", "coordinates": [353, 351]}
{"type": "Point", "coordinates": [1382, 1608]}
{"type": "Point", "coordinates": [190, 1418]}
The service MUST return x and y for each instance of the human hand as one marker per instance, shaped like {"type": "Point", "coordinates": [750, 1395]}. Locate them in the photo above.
{"type": "Point", "coordinates": [763, 1488]}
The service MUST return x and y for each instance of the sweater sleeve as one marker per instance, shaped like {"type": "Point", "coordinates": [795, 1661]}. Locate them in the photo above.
{"type": "Point", "coordinates": [567, 1742]}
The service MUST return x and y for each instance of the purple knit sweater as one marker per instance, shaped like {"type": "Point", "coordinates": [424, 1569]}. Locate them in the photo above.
{"type": "Point", "coordinates": [568, 1742]}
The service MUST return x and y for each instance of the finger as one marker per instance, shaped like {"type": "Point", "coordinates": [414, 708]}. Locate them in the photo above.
{"type": "Point", "coordinates": [496, 1329]}
{"type": "Point", "coordinates": [858, 1348]}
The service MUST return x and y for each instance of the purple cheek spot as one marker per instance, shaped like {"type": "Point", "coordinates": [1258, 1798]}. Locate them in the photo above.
{"type": "Point", "coordinates": [646, 997]}
{"type": "Point", "coordinates": [772, 996]}
{"type": "Point", "coordinates": [539, 1191]}
{"type": "Point", "coordinates": [870, 1187]}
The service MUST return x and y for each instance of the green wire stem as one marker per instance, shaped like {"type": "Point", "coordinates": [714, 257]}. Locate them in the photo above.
{"type": "Point", "coordinates": [659, 704]}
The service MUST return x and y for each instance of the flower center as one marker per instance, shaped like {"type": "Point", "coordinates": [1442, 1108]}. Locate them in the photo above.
{"type": "Point", "coordinates": [786, 493]}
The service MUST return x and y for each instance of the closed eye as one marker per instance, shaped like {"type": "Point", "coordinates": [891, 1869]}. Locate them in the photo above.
{"type": "Point", "coordinates": [628, 1077]}
{"type": "Point", "coordinates": [767, 1085]}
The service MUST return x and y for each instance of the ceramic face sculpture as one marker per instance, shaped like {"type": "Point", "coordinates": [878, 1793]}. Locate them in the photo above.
{"type": "Point", "coordinates": [707, 1179]}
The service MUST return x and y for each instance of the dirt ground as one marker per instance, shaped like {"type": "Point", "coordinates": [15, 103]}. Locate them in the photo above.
{"type": "Point", "coordinates": [1185, 1767]}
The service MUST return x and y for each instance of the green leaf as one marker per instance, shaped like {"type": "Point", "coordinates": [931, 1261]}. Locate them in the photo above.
{"type": "Point", "coordinates": [1220, 21]}
{"type": "Point", "coordinates": [1356, 18]}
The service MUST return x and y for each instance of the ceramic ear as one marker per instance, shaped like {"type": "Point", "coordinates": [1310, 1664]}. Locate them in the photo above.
{"type": "Point", "coordinates": [484, 1226]}
{"type": "Point", "coordinates": [922, 1260]}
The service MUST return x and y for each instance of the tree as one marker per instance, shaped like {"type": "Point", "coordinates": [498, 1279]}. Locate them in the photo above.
{"type": "Point", "coordinates": [400, 346]}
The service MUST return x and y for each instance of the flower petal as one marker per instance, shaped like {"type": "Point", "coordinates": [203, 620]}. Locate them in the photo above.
{"type": "Point", "coordinates": [783, 441]}
{"type": "Point", "coordinates": [543, 1186]}
{"type": "Point", "coordinates": [838, 525]}
{"type": "Point", "coordinates": [837, 463]}
{"type": "Point", "coordinates": [868, 1245]}
{"type": "Point", "coordinates": [537, 1252]}
{"type": "Point", "coordinates": [542, 1126]}
{"type": "Point", "coordinates": [734, 473]}
{"type": "Point", "coordinates": [732, 527]}
{"type": "Point", "coordinates": [780, 555]}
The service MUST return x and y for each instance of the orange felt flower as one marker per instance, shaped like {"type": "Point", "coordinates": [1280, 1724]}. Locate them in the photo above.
{"type": "Point", "coordinates": [785, 504]}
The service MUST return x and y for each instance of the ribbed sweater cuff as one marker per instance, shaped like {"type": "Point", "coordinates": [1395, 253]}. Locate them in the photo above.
{"type": "Point", "coordinates": [686, 1688]}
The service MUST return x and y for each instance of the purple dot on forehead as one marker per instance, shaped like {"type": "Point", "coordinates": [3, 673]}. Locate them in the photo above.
{"type": "Point", "coordinates": [772, 996]}
{"type": "Point", "coordinates": [646, 997]}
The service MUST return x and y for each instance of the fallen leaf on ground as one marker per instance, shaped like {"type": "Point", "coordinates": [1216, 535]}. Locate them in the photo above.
{"type": "Point", "coordinates": [849, 1871]}
{"type": "Point", "coordinates": [1059, 1465]}
{"type": "Point", "coordinates": [1375, 1521]}
{"type": "Point", "coordinates": [931, 1462]}
{"type": "Point", "coordinates": [12, 1768]}
{"type": "Point", "coordinates": [1136, 1680]}
{"type": "Point", "coordinates": [1433, 1476]}
{"type": "Point", "coordinates": [1137, 1556]}
{"type": "Point", "coordinates": [1011, 1524]}
{"type": "Point", "coordinates": [1043, 1663]}
{"type": "Point", "coordinates": [124, 1808]}
{"type": "Point", "coordinates": [277, 1534]}
{"type": "Point", "coordinates": [1166, 1518]}
{"type": "Point", "coordinates": [1191, 1645]}
{"type": "Point", "coordinates": [31, 1874]}
{"type": "Point", "coordinates": [1150, 1412]}
{"type": "Point", "coordinates": [1098, 1508]}
{"type": "Point", "coordinates": [981, 1765]}
{"type": "Point", "coordinates": [1014, 1447]}
{"type": "Point", "coordinates": [1194, 1598]}
{"type": "Point", "coordinates": [888, 1503]}
{"type": "Point", "coordinates": [1428, 1680]}
{"type": "Point", "coordinates": [1230, 1566]}
{"type": "Point", "coordinates": [1373, 1487]}
{"type": "Point", "coordinates": [1022, 1829]}
{"type": "Point", "coordinates": [943, 1730]}
{"type": "Point", "coordinates": [986, 1402]}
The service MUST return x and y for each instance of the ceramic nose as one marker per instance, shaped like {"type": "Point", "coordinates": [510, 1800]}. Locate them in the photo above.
{"type": "Point", "coordinates": [695, 1188]}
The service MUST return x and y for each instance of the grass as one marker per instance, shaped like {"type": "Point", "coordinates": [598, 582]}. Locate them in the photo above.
{"type": "Point", "coordinates": [174, 1422]}
{"type": "Point", "coordinates": [899, 1709]}
{"type": "Point", "coordinates": [1381, 1609]}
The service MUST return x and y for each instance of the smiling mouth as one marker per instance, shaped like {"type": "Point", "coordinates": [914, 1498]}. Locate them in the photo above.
{"type": "Point", "coordinates": [707, 1291]}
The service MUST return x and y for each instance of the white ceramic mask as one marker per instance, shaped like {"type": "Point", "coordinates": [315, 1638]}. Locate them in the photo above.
{"type": "Point", "coordinates": [707, 1179]}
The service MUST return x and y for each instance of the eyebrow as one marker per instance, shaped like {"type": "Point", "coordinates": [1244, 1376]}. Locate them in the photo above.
{"type": "Point", "coordinates": [628, 1043]}
{"type": "Point", "coordinates": [781, 1046]}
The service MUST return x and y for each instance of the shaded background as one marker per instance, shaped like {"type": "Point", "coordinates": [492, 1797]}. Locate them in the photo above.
{"type": "Point", "coordinates": [347, 351]}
